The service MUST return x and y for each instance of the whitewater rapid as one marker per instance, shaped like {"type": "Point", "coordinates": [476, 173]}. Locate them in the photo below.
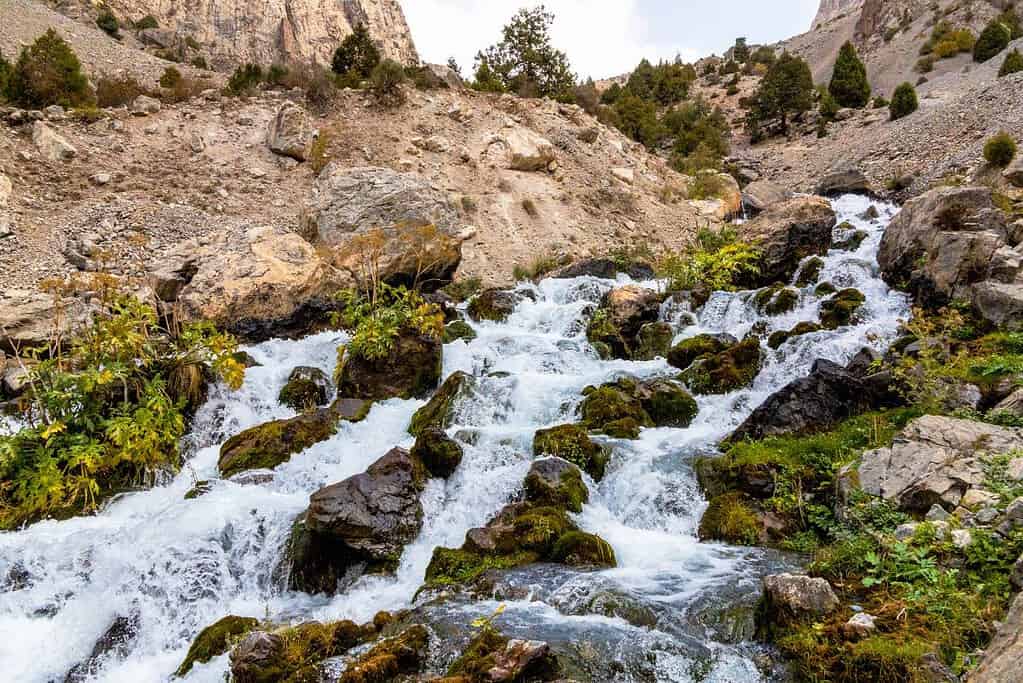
{"type": "Point", "coordinates": [172, 566]}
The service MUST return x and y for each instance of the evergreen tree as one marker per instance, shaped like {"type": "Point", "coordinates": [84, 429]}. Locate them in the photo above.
{"type": "Point", "coordinates": [5, 76]}
{"type": "Point", "coordinates": [1013, 63]}
{"type": "Point", "coordinates": [992, 40]}
{"type": "Point", "coordinates": [641, 80]}
{"type": "Point", "coordinates": [525, 62]}
{"type": "Point", "coordinates": [904, 101]}
{"type": "Point", "coordinates": [48, 72]}
{"type": "Point", "coordinates": [357, 55]}
{"type": "Point", "coordinates": [786, 91]}
{"type": "Point", "coordinates": [671, 82]}
{"type": "Point", "coordinates": [740, 52]}
{"type": "Point", "coordinates": [637, 118]}
{"type": "Point", "coordinates": [849, 85]}
{"type": "Point", "coordinates": [612, 94]}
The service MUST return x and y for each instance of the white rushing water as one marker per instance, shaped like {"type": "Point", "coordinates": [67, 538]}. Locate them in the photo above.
{"type": "Point", "coordinates": [172, 566]}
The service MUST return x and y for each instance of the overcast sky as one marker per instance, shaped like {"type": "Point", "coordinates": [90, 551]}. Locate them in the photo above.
{"type": "Point", "coordinates": [608, 37]}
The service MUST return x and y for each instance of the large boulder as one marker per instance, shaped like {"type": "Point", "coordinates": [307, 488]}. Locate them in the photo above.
{"type": "Point", "coordinates": [615, 326]}
{"type": "Point", "coordinates": [290, 132]}
{"type": "Point", "coordinates": [934, 460]}
{"type": "Point", "coordinates": [260, 284]}
{"type": "Point", "coordinates": [729, 370]}
{"type": "Point", "coordinates": [362, 522]}
{"type": "Point", "coordinates": [439, 412]}
{"type": "Point", "coordinates": [520, 149]}
{"type": "Point", "coordinates": [50, 144]}
{"type": "Point", "coordinates": [397, 224]}
{"type": "Point", "coordinates": [761, 195]}
{"type": "Point", "coordinates": [558, 483]}
{"type": "Point", "coordinates": [306, 388]}
{"type": "Point", "coordinates": [954, 243]}
{"type": "Point", "coordinates": [786, 233]}
{"type": "Point", "coordinates": [842, 179]}
{"type": "Point", "coordinates": [268, 445]}
{"type": "Point", "coordinates": [570, 442]}
{"type": "Point", "coordinates": [796, 597]}
{"type": "Point", "coordinates": [828, 395]}
{"type": "Point", "coordinates": [446, 75]}
{"type": "Point", "coordinates": [412, 369]}
{"type": "Point", "coordinates": [30, 318]}
{"type": "Point", "coordinates": [256, 657]}
{"type": "Point", "coordinates": [1002, 658]}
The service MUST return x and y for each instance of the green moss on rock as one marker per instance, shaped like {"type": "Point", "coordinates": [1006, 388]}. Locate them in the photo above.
{"type": "Point", "coordinates": [571, 442]}
{"type": "Point", "coordinates": [614, 409]}
{"type": "Point", "coordinates": [478, 659]}
{"type": "Point", "coordinates": [438, 413]}
{"type": "Point", "coordinates": [810, 272]}
{"type": "Point", "coordinates": [492, 304]}
{"type": "Point", "coordinates": [270, 444]}
{"type": "Point", "coordinates": [654, 341]}
{"type": "Point", "coordinates": [306, 388]}
{"type": "Point", "coordinates": [824, 289]}
{"type": "Point", "coordinates": [456, 330]}
{"type": "Point", "coordinates": [215, 640]}
{"type": "Point", "coordinates": [841, 309]}
{"type": "Point", "coordinates": [390, 659]}
{"type": "Point", "coordinates": [567, 492]}
{"type": "Point", "coordinates": [781, 336]}
{"type": "Point", "coordinates": [728, 518]}
{"type": "Point", "coordinates": [456, 566]}
{"type": "Point", "coordinates": [580, 549]}
{"type": "Point", "coordinates": [667, 403]}
{"type": "Point", "coordinates": [687, 351]}
{"type": "Point", "coordinates": [727, 371]}
{"type": "Point", "coordinates": [776, 300]}
{"type": "Point", "coordinates": [439, 453]}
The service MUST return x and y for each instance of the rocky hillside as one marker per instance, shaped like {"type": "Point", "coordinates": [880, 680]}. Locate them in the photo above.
{"type": "Point", "coordinates": [830, 10]}
{"type": "Point", "coordinates": [227, 32]}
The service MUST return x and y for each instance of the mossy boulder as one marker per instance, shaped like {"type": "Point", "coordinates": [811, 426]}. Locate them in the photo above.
{"type": "Point", "coordinates": [825, 289]}
{"type": "Point", "coordinates": [439, 453]}
{"type": "Point", "coordinates": [478, 659]}
{"type": "Point", "coordinates": [459, 329]}
{"type": "Point", "coordinates": [667, 403]}
{"type": "Point", "coordinates": [851, 240]}
{"type": "Point", "coordinates": [810, 271]}
{"type": "Point", "coordinates": [458, 566]}
{"type": "Point", "coordinates": [622, 313]}
{"type": "Point", "coordinates": [841, 309]}
{"type": "Point", "coordinates": [654, 341]}
{"type": "Point", "coordinates": [570, 442]}
{"type": "Point", "coordinates": [215, 640]}
{"type": "Point", "coordinates": [683, 354]}
{"type": "Point", "coordinates": [439, 412]}
{"type": "Point", "coordinates": [397, 658]}
{"type": "Point", "coordinates": [580, 549]}
{"type": "Point", "coordinates": [554, 482]}
{"type": "Point", "coordinates": [412, 369]}
{"type": "Point", "coordinates": [781, 336]}
{"type": "Point", "coordinates": [494, 305]}
{"type": "Point", "coordinates": [306, 388]}
{"type": "Point", "coordinates": [776, 300]}
{"type": "Point", "coordinates": [732, 369]}
{"type": "Point", "coordinates": [270, 444]}
{"type": "Point", "coordinates": [729, 518]}
{"type": "Point", "coordinates": [615, 410]}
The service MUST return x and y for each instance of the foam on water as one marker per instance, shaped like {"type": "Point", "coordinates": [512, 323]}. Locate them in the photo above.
{"type": "Point", "coordinates": [173, 565]}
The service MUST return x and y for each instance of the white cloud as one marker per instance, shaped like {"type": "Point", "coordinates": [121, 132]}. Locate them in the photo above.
{"type": "Point", "coordinates": [602, 37]}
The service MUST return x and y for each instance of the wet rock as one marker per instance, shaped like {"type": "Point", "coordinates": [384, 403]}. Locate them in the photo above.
{"type": "Point", "coordinates": [841, 309]}
{"type": "Point", "coordinates": [439, 453]}
{"type": "Point", "coordinates": [523, 660]}
{"type": "Point", "coordinates": [50, 144]}
{"type": "Point", "coordinates": [403, 219]}
{"type": "Point", "coordinates": [654, 341]}
{"type": "Point", "coordinates": [571, 442]}
{"type": "Point", "coordinates": [411, 369]}
{"type": "Point", "coordinates": [604, 268]}
{"type": "Point", "coordinates": [781, 336]}
{"type": "Point", "coordinates": [796, 597]}
{"type": "Point", "coordinates": [1004, 653]}
{"type": "Point", "coordinates": [729, 517]}
{"type": "Point", "coordinates": [843, 179]}
{"type": "Point", "coordinates": [761, 195]}
{"type": "Point", "coordinates": [256, 658]}
{"type": "Point", "coordinates": [615, 410]}
{"type": "Point", "coordinates": [459, 329]}
{"type": "Point", "coordinates": [214, 640]}
{"type": "Point", "coordinates": [116, 641]}
{"type": "Point", "coordinates": [776, 300]}
{"type": "Point", "coordinates": [828, 395]}
{"type": "Point", "coordinates": [268, 445]}
{"type": "Point", "coordinates": [729, 370]}
{"type": "Point", "coordinates": [557, 483]}
{"type": "Point", "coordinates": [439, 412]}
{"type": "Point", "coordinates": [306, 388]}
{"type": "Point", "coordinates": [290, 133]}
{"type": "Point", "coordinates": [493, 304]}
{"type": "Point", "coordinates": [851, 241]}
{"type": "Point", "coordinates": [787, 233]}
{"type": "Point", "coordinates": [860, 625]}
{"type": "Point", "coordinates": [810, 271]}
{"type": "Point", "coordinates": [622, 313]}
{"type": "Point", "coordinates": [934, 460]}
{"type": "Point", "coordinates": [392, 659]}
{"type": "Point", "coordinates": [683, 354]}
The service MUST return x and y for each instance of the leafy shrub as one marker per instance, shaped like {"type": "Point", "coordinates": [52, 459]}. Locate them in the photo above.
{"type": "Point", "coordinates": [5, 76]}
{"type": "Point", "coordinates": [717, 261]}
{"type": "Point", "coordinates": [904, 101]}
{"type": "Point", "coordinates": [880, 102]}
{"type": "Point", "coordinates": [849, 85]}
{"type": "Point", "coordinates": [147, 22]}
{"type": "Point", "coordinates": [357, 55]}
{"type": "Point", "coordinates": [108, 413]}
{"type": "Point", "coordinates": [992, 40]}
{"type": "Point", "coordinates": [924, 65]}
{"type": "Point", "coordinates": [170, 78]}
{"type": "Point", "coordinates": [375, 318]}
{"type": "Point", "coordinates": [245, 79]}
{"type": "Point", "coordinates": [1000, 150]}
{"type": "Point", "coordinates": [117, 91]}
{"type": "Point", "coordinates": [48, 72]}
{"type": "Point", "coordinates": [108, 23]}
{"type": "Point", "coordinates": [386, 81]}
{"type": "Point", "coordinates": [199, 62]}
{"type": "Point", "coordinates": [827, 107]}
{"type": "Point", "coordinates": [1013, 64]}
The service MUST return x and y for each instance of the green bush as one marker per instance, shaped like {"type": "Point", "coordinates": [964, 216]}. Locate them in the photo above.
{"type": "Point", "coordinates": [1000, 150]}
{"type": "Point", "coordinates": [5, 76]}
{"type": "Point", "coordinates": [245, 79]}
{"type": "Point", "coordinates": [117, 91]}
{"type": "Point", "coordinates": [376, 320]}
{"type": "Point", "coordinates": [992, 40]}
{"type": "Point", "coordinates": [147, 22]}
{"type": "Point", "coordinates": [716, 262]}
{"type": "Point", "coordinates": [1013, 64]}
{"type": "Point", "coordinates": [385, 83]}
{"type": "Point", "coordinates": [849, 85]}
{"type": "Point", "coordinates": [108, 413]}
{"type": "Point", "coordinates": [827, 107]}
{"type": "Point", "coordinates": [48, 72]}
{"type": "Point", "coordinates": [108, 23]}
{"type": "Point", "coordinates": [357, 55]}
{"type": "Point", "coordinates": [170, 78]}
{"type": "Point", "coordinates": [904, 101]}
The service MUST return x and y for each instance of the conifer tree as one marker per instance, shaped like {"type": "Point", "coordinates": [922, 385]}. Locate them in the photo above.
{"type": "Point", "coordinates": [357, 55]}
{"type": "Point", "coordinates": [904, 101]}
{"type": "Point", "coordinates": [1012, 64]}
{"type": "Point", "coordinates": [849, 85]}
{"type": "Point", "coordinates": [48, 72]}
{"type": "Point", "coordinates": [786, 91]}
{"type": "Point", "coordinates": [992, 40]}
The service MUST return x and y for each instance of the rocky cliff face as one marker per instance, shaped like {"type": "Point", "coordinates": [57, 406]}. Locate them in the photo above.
{"type": "Point", "coordinates": [267, 31]}
{"type": "Point", "coordinates": [831, 9]}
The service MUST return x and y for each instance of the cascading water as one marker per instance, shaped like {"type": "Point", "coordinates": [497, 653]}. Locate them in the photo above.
{"type": "Point", "coordinates": [167, 566]}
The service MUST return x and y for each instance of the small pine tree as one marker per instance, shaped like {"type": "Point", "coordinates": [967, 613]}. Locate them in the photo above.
{"type": "Point", "coordinates": [171, 78]}
{"type": "Point", "coordinates": [108, 23]}
{"type": "Point", "coordinates": [827, 107]}
{"type": "Point", "coordinates": [1013, 63]}
{"type": "Point", "coordinates": [786, 91]}
{"type": "Point", "coordinates": [849, 85]}
{"type": "Point", "coordinates": [992, 40]}
{"type": "Point", "coordinates": [741, 52]}
{"type": "Point", "coordinates": [1000, 150]}
{"type": "Point", "coordinates": [48, 72]}
{"type": "Point", "coordinates": [904, 101]}
{"type": "Point", "coordinates": [386, 81]}
{"type": "Point", "coordinates": [5, 76]}
{"type": "Point", "coordinates": [357, 55]}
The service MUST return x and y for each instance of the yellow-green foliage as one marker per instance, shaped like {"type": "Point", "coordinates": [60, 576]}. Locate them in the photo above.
{"type": "Point", "coordinates": [102, 414]}
{"type": "Point", "coordinates": [716, 262]}
{"type": "Point", "coordinates": [378, 317]}
{"type": "Point", "coordinates": [215, 640]}
{"type": "Point", "coordinates": [729, 518]}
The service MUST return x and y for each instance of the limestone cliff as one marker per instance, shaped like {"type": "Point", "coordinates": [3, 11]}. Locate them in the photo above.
{"type": "Point", "coordinates": [832, 9]}
{"type": "Point", "coordinates": [267, 31]}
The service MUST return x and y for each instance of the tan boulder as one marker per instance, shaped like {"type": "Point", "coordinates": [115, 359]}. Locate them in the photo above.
{"type": "Point", "coordinates": [31, 318]}
{"type": "Point", "coordinates": [522, 150]}
{"type": "Point", "coordinates": [786, 233]}
{"type": "Point", "coordinates": [290, 133]}
{"type": "Point", "coordinates": [50, 144]}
